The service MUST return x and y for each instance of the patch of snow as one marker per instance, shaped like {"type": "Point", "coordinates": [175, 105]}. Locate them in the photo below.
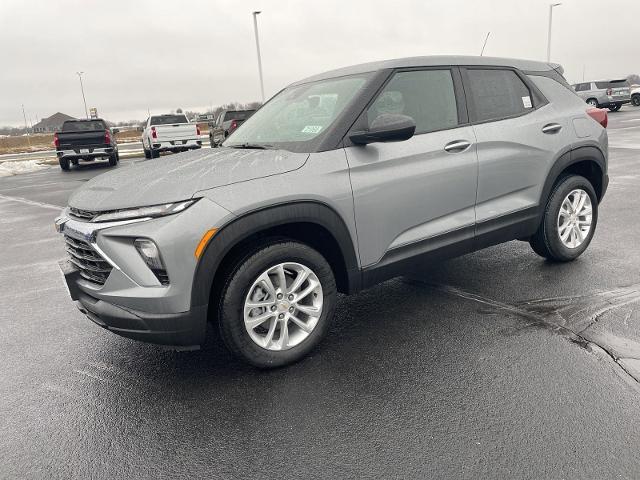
{"type": "Point", "coordinates": [8, 169]}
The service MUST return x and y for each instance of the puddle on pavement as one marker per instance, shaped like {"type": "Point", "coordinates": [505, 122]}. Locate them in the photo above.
{"type": "Point", "coordinates": [584, 319]}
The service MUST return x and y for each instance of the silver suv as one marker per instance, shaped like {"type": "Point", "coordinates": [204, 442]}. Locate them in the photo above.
{"type": "Point", "coordinates": [611, 94]}
{"type": "Point", "coordinates": [341, 181]}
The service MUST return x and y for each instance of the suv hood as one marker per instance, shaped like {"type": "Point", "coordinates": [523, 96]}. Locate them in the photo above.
{"type": "Point", "coordinates": [178, 177]}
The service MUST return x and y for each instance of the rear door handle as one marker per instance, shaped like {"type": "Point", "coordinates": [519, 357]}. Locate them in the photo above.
{"type": "Point", "coordinates": [551, 128]}
{"type": "Point", "coordinates": [457, 146]}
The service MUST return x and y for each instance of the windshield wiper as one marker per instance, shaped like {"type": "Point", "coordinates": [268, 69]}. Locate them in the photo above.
{"type": "Point", "coordinates": [251, 146]}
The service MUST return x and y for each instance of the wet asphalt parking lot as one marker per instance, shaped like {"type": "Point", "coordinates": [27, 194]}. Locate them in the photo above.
{"type": "Point", "coordinates": [493, 365]}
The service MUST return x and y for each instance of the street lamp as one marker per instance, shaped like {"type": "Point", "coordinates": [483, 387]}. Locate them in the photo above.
{"type": "Point", "coordinates": [255, 29]}
{"type": "Point", "coordinates": [550, 24]}
{"type": "Point", "coordinates": [86, 112]}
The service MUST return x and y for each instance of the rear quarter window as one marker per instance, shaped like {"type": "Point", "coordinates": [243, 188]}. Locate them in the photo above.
{"type": "Point", "coordinates": [496, 94]}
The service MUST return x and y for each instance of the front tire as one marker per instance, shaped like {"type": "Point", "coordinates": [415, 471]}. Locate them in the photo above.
{"type": "Point", "coordinates": [593, 102]}
{"type": "Point", "coordinates": [277, 304]}
{"type": "Point", "coordinates": [635, 100]}
{"type": "Point", "coordinates": [64, 164]}
{"type": "Point", "coordinates": [615, 108]}
{"type": "Point", "coordinates": [569, 220]}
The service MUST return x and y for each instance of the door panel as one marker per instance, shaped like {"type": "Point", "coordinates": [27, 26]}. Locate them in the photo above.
{"type": "Point", "coordinates": [514, 156]}
{"type": "Point", "coordinates": [405, 192]}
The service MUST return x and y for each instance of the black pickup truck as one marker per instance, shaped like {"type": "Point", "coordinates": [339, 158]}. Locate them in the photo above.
{"type": "Point", "coordinates": [228, 121]}
{"type": "Point", "coordinates": [85, 140]}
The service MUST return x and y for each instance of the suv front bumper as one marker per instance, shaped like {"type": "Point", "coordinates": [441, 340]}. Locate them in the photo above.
{"type": "Point", "coordinates": [131, 302]}
{"type": "Point", "coordinates": [181, 331]}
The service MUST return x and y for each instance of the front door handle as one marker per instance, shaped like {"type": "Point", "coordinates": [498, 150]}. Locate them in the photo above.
{"type": "Point", "coordinates": [457, 146]}
{"type": "Point", "coordinates": [551, 128]}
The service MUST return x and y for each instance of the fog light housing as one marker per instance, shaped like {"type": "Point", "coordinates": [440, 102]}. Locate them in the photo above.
{"type": "Point", "coordinates": [151, 255]}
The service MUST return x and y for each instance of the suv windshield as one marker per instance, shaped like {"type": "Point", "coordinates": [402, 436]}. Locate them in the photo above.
{"type": "Point", "coordinates": [298, 117]}
{"type": "Point", "coordinates": [168, 119]}
{"type": "Point", "coordinates": [84, 126]}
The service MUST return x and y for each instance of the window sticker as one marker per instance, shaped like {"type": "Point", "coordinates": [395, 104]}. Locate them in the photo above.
{"type": "Point", "coordinates": [526, 101]}
{"type": "Point", "coordinates": [312, 129]}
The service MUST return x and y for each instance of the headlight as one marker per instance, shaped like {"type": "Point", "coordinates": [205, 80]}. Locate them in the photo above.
{"type": "Point", "coordinates": [143, 212]}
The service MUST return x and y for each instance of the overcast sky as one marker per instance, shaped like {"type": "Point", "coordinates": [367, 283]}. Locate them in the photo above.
{"type": "Point", "coordinates": [193, 54]}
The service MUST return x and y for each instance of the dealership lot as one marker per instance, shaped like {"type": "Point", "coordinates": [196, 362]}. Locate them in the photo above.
{"type": "Point", "coordinates": [493, 364]}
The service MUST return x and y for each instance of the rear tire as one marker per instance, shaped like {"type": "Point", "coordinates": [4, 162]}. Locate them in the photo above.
{"type": "Point", "coordinates": [64, 164]}
{"type": "Point", "coordinates": [243, 285]}
{"type": "Point", "coordinates": [113, 159]}
{"type": "Point", "coordinates": [635, 100]}
{"type": "Point", "coordinates": [615, 108]}
{"type": "Point", "coordinates": [154, 153]}
{"type": "Point", "coordinates": [547, 241]}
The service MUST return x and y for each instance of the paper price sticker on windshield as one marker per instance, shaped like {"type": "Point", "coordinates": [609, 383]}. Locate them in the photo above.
{"type": "Point", "coordinates": [312, 129]}
{"type": "Point", "coordinates": [526, 101]}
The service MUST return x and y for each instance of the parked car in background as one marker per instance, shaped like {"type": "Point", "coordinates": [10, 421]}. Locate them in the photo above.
{"type": "Point", "coordinates": [611, 94]}
{"type": "Point", "coordinates": [635, 95]}
{"type": "Point", "coordinates": [226, 123]}
{"type": "Point", "coordinates": [169, 133]}
{"type": "Point", "coordinates": [342, 181]}
{"type": "Point", "coordinates": [85, 140]}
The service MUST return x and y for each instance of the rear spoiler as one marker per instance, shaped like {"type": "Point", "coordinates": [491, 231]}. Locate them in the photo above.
{"type": "Point", "coordinates": [557, 67]}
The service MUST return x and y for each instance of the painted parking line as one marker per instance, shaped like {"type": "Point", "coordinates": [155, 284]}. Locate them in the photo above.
{"type": "Point", "coordinates": [31, 202]}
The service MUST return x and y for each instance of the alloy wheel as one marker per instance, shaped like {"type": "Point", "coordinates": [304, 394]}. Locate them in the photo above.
{"type": "Point", "coordinates": [283, 306]}
{"type": "Point", "coordinates": [574, 218]}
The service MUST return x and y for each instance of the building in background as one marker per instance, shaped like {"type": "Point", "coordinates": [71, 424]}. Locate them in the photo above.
{"type": "Point", "coordinates": [51, 124]}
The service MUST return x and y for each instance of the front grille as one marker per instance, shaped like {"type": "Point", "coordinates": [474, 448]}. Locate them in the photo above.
{"type": "Point", "coordinates": [91, 265]}
{"type": "Point", "coordinates": [82, 214]}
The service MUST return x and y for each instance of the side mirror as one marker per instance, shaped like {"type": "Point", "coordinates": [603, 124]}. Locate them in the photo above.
{"type": "Point", "coordinates": [115, 130]}
{"type": "Point", "coordinates": [387, 127]}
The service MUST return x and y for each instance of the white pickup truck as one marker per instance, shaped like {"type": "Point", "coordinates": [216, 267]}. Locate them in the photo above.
{"type": "Point", "coordinates": [169, 133]}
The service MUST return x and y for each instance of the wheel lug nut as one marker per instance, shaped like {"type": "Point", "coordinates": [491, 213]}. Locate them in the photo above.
{"type": "Point", "coordinates": [291, 309]}
{"type": "Point", "coordinates": [291, 297]}
{"type": "Point", "coordinates": [273, 308]}
{"type": "Point", "coordinates": [281, 316]}
{"type": "Point", "coordinates": [279, 296]}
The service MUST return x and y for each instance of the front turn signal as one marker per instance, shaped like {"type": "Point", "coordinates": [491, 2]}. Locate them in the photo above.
{"type": "Point", "coordinates": [204, 241]}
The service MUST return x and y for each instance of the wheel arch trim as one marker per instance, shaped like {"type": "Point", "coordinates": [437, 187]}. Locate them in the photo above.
{"type": "Point", "coordinates": [566, 160]}
{"type": "Point", "coordinates": [256, 221]}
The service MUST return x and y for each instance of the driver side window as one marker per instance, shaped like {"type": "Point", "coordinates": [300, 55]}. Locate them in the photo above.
{"type": "Point", "coordinates": [427, 96]}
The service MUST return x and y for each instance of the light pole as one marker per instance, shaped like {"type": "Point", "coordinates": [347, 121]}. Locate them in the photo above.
{"type": "Point", "coordinates": [551, 6]}
{"type": "Point", "coordinates": [86, 112]}
{"type": "Point", "coordinates": [255, 29]}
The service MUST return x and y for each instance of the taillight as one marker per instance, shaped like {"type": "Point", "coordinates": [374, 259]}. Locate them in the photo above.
{"type": "Point", "coordinates": [609, 91]}
{"type": "Point", "coordinates": [153, 132]}
{"type": "Point", "coordinates": [599, 115]}
{"type": "Point", "coordinates": [56, 140]}
{"type": "Point", "coordinates": [198, 130]}
{"type": "Point", "coordinates": [107, 137]}
{"type": "Point", "coordinates": [234, 125]}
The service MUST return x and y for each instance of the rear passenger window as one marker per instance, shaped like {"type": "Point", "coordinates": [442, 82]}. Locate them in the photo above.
{"type": "Point", "coordinates": [497, 94]}
{"type": "Point", "coordinates": [582, 87]}
{"type": "Point", "coordinates": [427, 96]}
